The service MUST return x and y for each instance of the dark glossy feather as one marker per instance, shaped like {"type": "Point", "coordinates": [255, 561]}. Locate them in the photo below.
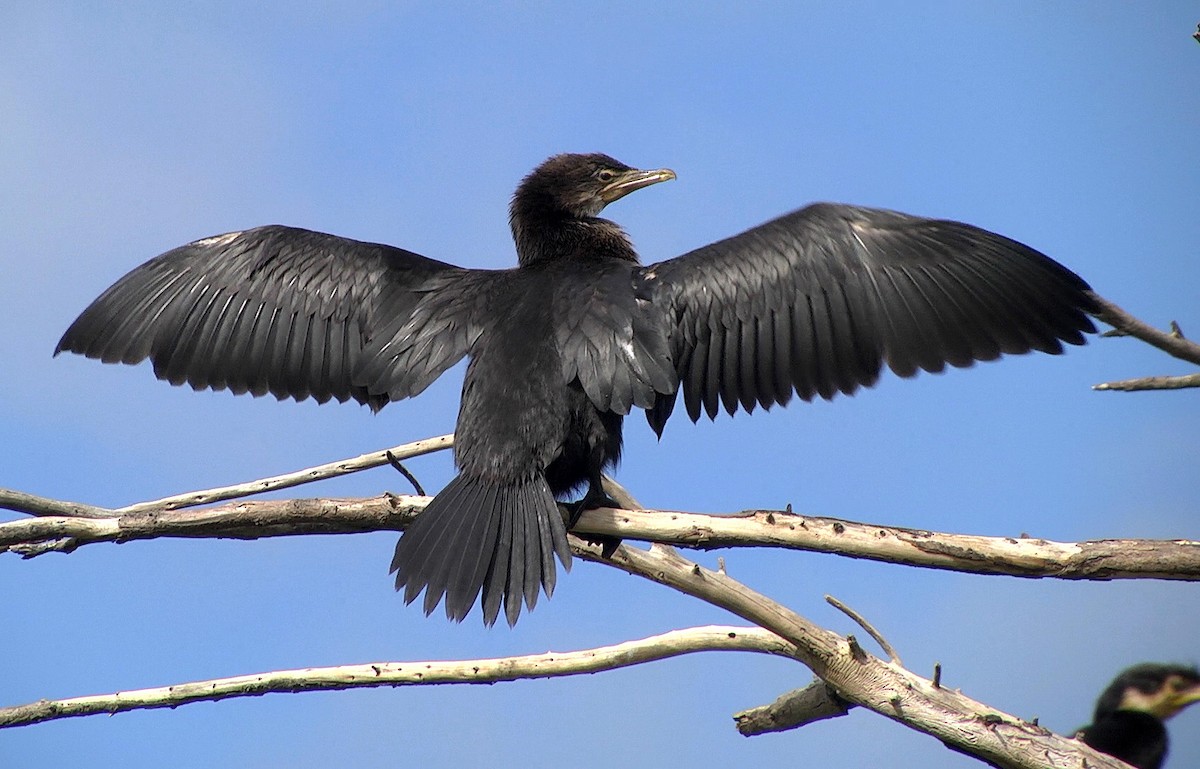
{"type": "Point", "coordinates": [845, 289]}
{"type": "Point", "coordinates": [1138, 739]}
{"type": "Point", "coordinates": [292, 312]}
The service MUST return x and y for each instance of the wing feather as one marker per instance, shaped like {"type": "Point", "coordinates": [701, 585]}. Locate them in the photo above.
{"type": "Point", "coordinates": [815, 302]}
{"type": "Point", "coordinates": [291, 312]}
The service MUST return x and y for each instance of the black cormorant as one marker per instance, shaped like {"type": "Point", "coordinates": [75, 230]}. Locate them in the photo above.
{"type": "Point", "coordinates": [567, 343]}
{"type": "Point", "coordinates": [1128, 723]}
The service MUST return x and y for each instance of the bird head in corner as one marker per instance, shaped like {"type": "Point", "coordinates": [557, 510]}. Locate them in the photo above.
{"type": "Point", "coordinates": [1160, 690]}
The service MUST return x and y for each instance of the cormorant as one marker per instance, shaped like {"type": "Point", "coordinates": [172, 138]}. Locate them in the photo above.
{"type": "Point", "coordinates": [565, 345]}
{"type": "Point", "coordinates": [1129, 714]}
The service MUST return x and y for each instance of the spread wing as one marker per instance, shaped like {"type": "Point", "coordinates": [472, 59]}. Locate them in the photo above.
{"type": "Point", "coordinates": [287, 311]}
{"type": "Point", "coordinates": [815, 302]}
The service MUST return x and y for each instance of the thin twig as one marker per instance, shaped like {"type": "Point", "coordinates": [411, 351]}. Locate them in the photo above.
{"type": "Point", "coordinates": [1152, 383]}
{"type": "Point", "coordinates": [867, 626]}
{"type": "Point", "coordinates": [400, 468]}
{"type": "Point", "coordinates": [288, 480]}
{"type": "Point", "coordinates": [1171, 344]}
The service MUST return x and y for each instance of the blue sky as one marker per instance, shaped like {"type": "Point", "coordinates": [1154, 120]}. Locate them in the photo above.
{"type": "Point", "coordinates": [133, 129]}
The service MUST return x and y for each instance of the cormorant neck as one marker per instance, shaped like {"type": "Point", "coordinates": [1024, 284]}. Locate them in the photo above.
{"type": "Point", "coordinates": [547, 236]}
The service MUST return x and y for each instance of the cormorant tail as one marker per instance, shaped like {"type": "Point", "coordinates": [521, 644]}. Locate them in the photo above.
{"type": "Point", "coordinates": [476, 535]}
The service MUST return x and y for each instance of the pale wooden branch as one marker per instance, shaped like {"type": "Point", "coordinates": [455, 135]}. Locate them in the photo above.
{"type": "Point", "coordinates": [1173, 344]}
{"type": "Point", "coordinates": [858, 677]}
{"type": "Point", "coordinates": [1152, 383]}
{"type": "Point", "coordinates": [32, 504]}
{"type": "Point", "coordinates": [486, 671]}
{"type": "Point", "coordinates": [893, 657]}
{"type": "Point", "coordinates": [237, 520]}
{"type": "Point", "coordinates": [815, 702]}
{"type": "Point", "coordinates": [288, 480]}
{"type": "Point", "coordinates": [1022, 557]}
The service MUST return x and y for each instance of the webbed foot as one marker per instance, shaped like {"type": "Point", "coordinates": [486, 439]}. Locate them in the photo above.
{"type": "Point", "coordinates": [594, 498]}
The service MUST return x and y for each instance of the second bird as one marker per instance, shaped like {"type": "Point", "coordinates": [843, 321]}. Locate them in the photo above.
{"type": "Point", "coordinates": [565, 345]}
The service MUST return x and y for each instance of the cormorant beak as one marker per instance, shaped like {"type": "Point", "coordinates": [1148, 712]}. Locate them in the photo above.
{"type": "Point", "coordinates": [1180, 699]}
{"type": "Point", "coordinates": [631, 180]}
{"type": "Point", "coordinates": [1174, 695]}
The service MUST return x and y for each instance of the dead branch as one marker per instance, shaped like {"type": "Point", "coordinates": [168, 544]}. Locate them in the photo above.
{"type": "Point", "coordinates": [1152, 383]}
{"type": "Point", "coordinates": [548, 665]}
{"type": "Point", "coordinates": [32, 504]}
{"type": "Point", "coordinates": [860, 678]}
{"type": "Point", "coordinates": [815, 702]}
{"type": "Point", "coordinates": [1021, 557]}
{"type": "Point", "coordinates": [288, 480]}
{"type": "Point", "coordinates": [888, 649]}
{"type": "Point", "coordinates": [1173, 344]}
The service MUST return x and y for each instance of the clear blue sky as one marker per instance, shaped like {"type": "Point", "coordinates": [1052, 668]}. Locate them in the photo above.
{"type": "Point", "coordinates": [128, 131]}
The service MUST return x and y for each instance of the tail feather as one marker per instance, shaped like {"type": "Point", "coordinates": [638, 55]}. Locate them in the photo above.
{"type": "Point", "coordinates": [534, 562]}
{"type": "Point", "coordinates": [496, 579]}
{"type": "Point", "coordinates": [553, 535]}
{"type": "Point", "coordinates": [466, 577]}
{"type": "Point", "coordinates": [515, 589]}
{"type": "Point", "coordinates": [455, 551]}
{"type": "Point", "coordinates": [478, 535]}
{"type": "Point", "coordinates": [430, 551]}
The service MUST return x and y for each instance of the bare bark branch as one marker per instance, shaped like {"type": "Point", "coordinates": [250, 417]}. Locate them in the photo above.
{"type": "Point", "coordinates": [1173, 344]}
{"type": "Point", "coordinates": [860, 678]}
{"type": "Point", "coordinates": [32, 504]}
{"type": "Point", "coordinates": [815, 702]}
{"type": "Point", "coordinates": [1152, 383]}
{"type": "Point", "coordinates": [549, 665]}
{"type": "Point", "coordinates": [893, 657]}
{"type": "Point", "coordinates": [1022, 557]}
{"type": "Point", "coordinates": [297, 478]}
{"type": "Point", "coordinates": [238, 520]}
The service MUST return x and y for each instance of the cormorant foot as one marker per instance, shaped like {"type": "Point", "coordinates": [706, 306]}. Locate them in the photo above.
{"type": "Point", "coordinates": [590, 501]}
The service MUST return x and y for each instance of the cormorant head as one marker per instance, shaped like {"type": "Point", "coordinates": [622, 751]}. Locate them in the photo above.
{"type": "Point", "coordinates": [579, 186]}
{"type": "Point", "coordinates": [1159, 690]}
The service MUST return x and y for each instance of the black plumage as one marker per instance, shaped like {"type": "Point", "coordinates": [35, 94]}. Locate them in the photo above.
{"type": "Point", "coordinates": [570, 341]}
{"type": "Point", "coordinates": [1128, 723]}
